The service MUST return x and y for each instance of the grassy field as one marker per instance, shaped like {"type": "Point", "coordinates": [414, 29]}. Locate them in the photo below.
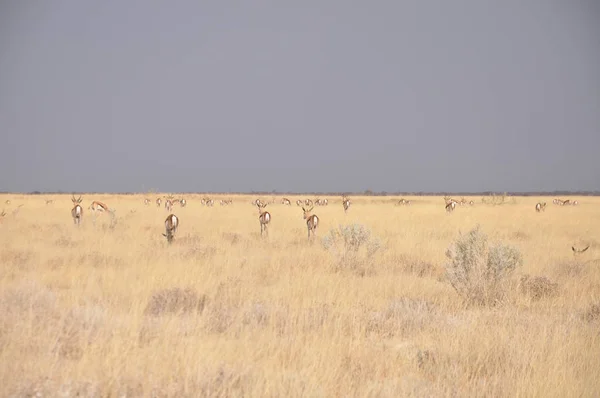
{"type": "Point", "coordinates": [105, 310]}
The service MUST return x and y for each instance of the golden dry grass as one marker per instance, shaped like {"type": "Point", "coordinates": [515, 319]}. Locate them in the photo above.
{"type": "Point", "coordinates": [221, 312]}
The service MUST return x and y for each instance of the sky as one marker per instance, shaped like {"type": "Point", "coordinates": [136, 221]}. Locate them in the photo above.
{"type": "Point", "coordinates": [305, 96]}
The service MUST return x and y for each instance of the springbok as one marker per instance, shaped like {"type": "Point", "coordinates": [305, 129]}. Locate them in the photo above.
{"type": "Point", "coordinates": [171, 225]}
{"type": "Point", "coordinates": [308, 202]}
{"type": "Point", "coordinates": [450, 206]}
{"type": "Point", "coordinates": [298, 202]}
{"type": "Point", "coordinates": [264, 217]}
{"type": "Point", "coordinates": [98, 207]}
{"type": "Point", "coordinates": [579, 251]}
{"type": "Point", "coordinates": [168, 205]}
{"type": "Point", "coordinates": [49, 202]}
{"type": "Point", "coordinates": [286, 201]}
{"type": "Point", "coordinates": [402, 202]}
{"type": "Point", "coordinates": [2, 216]}
{"type": "Point", "coordinates": [7, 201]}
{"type": "Point", "coordinates": [77, 210]}
{"type": "Point", "coordinates": [312, 221]}
{"type": "Point", "coordinates": [540, 207]}
{"type": "Point", "coordinates": [158, 202]}
{"type": "Point", "coordinates": [147, 202]}
{"type": "Point", "coordinates": [182, 202]}
{"type": "Point", "coordinates": [345, 203]}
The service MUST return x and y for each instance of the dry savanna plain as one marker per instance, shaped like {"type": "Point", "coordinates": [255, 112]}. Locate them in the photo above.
{"type": "Point", "coordinates": [109, 308]}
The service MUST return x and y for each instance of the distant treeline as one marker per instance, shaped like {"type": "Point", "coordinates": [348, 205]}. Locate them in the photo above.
{"type": "Point", "coordinates": [364, 193]}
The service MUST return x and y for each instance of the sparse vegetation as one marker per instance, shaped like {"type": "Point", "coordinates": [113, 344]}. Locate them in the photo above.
{"type": "Point", "coordinates": [352, 246]}
{"type": "Point", "coordinates": [479, 272]}
{"type": "Point", "coordinates": [100, 311]}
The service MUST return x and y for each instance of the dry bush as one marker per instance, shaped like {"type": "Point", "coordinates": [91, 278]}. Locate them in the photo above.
{"type": "Point", "coordinates": [537, 287]}
{"type": "Point", "coordinates": [402, 317]}
{"type": "Point", "coordinates": [592, 314]}
{"type": "Point", "coordinates": [175, 301]}
{"type": "Point", "coordinates": [480, 272]}
{"type": "Point", "coordinates": [352, 246]}
{"type": "Point", "coordinates": [415, 266]}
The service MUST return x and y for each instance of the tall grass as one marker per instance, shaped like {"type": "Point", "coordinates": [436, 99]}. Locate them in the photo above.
{"type": "Point", "coordinates": [111, 309]}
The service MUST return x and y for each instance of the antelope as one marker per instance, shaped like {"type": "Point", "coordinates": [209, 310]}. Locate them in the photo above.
{"type": "Point", "coordinates": [540, 207]}
{"type": "Point", "coordinates": [158, 202]}
{"type": "Point", "coordinates": [450, 206]}
{"type": "Point", "coordinates": [7, 201]}
{"type": "Point", "coordinates": [182, 202]}
{"type": "Point", "coordinates": [312, 221]}
{"type": "Point", "coordinates": [147, 202]}
{"type": "Point", "coordinates": [402, 202]}
{"type": "Point", "coordinates": [168, 205]}
{"type": "Point", "coordinates": [210, 202]}
{"type": "Point", "coordinates": [171, 225]}
{"type": "Point", "coordinates": [77, 210]}
{"type": "Point", "coordinates": [346, 204]}
{"type": "Point", "coordinates": [566, 202]}
{"type": "Point", "coordinates": [2, 215]}
{"type": "Point", "coordinates": [223, 202]}
{"type": "Point", "coordinates": [49, 202]}
{"type": "Point", "coordinates": [98, 206]}
{"type": "Point", "coordinates": [579, 251]}
{"type": "Point", "coordinates": [325, 202]}
{"type": "Point", "coordinates": [286, 201]}
{"type": "Point", "coordinates": [308, 202]}
{"type": "Point", "coordinates": [449, 200]}
{"type": "Point", "coordinates": [471, 203]}
{"type": "Point", "coordinates": [298, 202]}
{"type": "Point", "coordinates": [264, 217]}
{"type": "Point", "coordinates": [575, 203]}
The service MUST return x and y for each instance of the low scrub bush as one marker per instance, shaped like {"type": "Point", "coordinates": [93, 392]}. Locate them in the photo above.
{"type": "Point", "coordinates": [480, 272]}
{"type": "Point", "coordinates": [353, 246]}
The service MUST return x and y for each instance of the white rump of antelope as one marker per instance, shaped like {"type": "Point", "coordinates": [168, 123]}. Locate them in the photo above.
{"type": "Point", "coordinates": [264, 217]}
{"type": "Point", "coordinates": [346, 203]}
{"type": "Point", "coordinates": [286, 201]}
{"type": "Point", "coordinates": [171, 225]}
{"type": "Point", "coordinates": [540, 207]}
{"type": "Point", "coordinates": [312, 221]}
{"type": "Point", "coordinates": [451, 205]}
{"type": "Point", "coordinates": [77, 210]}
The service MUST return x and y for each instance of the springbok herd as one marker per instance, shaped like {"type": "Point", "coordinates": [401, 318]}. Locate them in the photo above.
{"type": "Point", "coordinates": [264, 217]}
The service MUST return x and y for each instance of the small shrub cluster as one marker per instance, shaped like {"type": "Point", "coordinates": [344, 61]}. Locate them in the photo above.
{"type": "Point", "coordinates": [537, 287]}
{"type": "Point", "coordinates": [353, 246]}
{"type": "Point", "coordinates": [498, 199]}
{"type": "Point", "coordinates": [480, 272]}
{"type": "Point", "coordinates": [175, 301]}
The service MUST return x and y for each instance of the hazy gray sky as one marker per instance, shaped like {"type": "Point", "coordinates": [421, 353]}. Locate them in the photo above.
{"type": "Point", "coordinates": [131, 95]}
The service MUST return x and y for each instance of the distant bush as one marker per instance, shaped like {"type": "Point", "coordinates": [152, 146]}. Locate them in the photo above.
{"type": "Point", "coordinates": [175, 301]}
{"type": "Point", "coordinates": [351, 245]}
{"type": "Point", "coordinates": [503, 199]}
{"type": "Point", "coordinates": [537, 287]}
{"type": "Point", "coordinates": [480, 272]}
